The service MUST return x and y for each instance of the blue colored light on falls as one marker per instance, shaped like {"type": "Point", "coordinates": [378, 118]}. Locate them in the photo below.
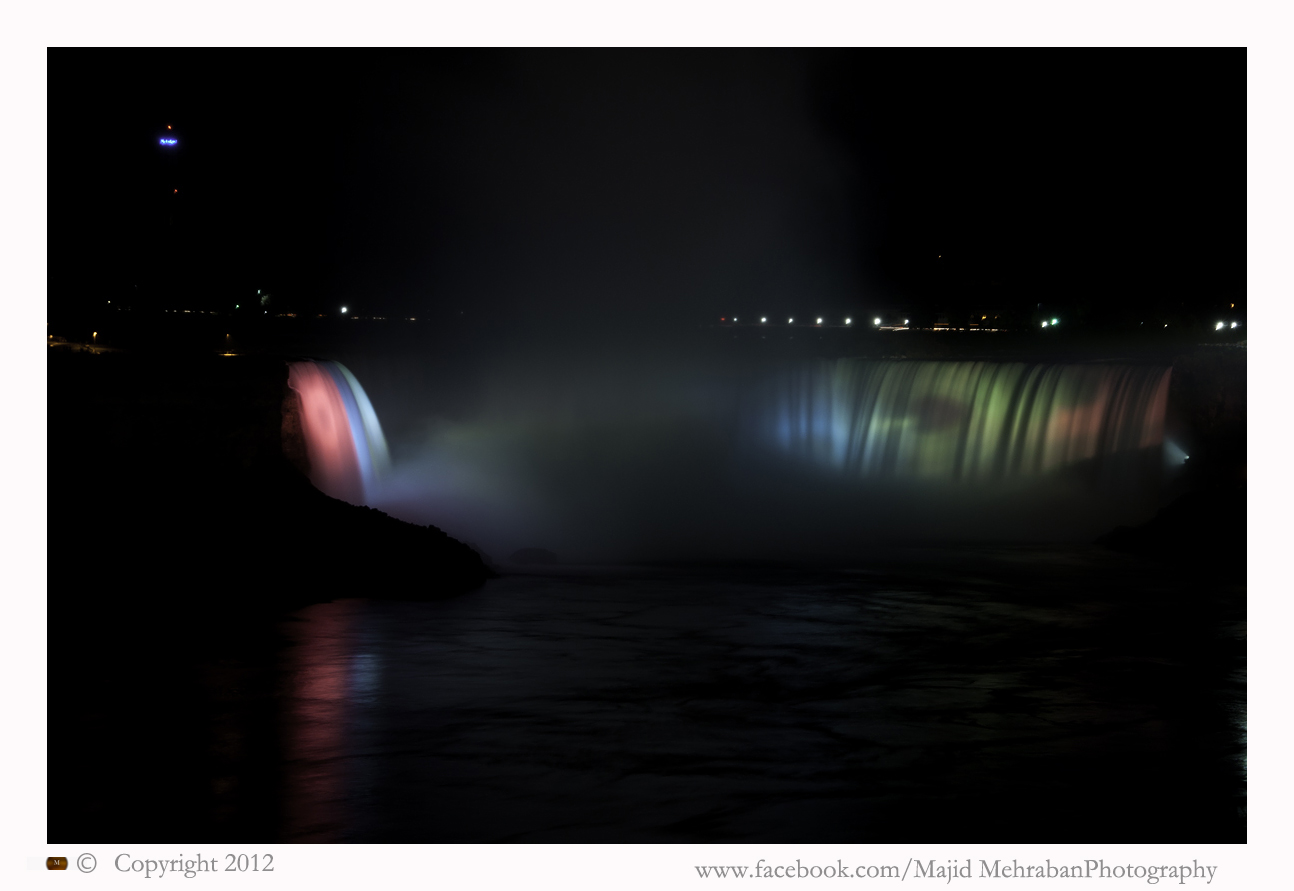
{"type": "Point", "coordinates": [962, 420]}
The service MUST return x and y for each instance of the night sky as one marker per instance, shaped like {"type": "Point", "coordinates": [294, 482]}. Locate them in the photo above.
{"type": "Point", "coordinates": [669, 187]}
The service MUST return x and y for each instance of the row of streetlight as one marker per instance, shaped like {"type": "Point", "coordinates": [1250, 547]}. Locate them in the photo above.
{"type": "Point", "coordinates": [763, 320]}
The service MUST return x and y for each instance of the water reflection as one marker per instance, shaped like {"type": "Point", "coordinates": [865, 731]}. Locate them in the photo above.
{"type": "Point", "coordinates": [318, 716]}
{"type": "Point", "coordinates": [1051, 692]}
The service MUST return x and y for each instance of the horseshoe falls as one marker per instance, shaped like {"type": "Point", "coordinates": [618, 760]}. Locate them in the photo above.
{"type": "Point", "coordinates": [647, 460]}
{"type": "Point", "coordinates": [971, 421]}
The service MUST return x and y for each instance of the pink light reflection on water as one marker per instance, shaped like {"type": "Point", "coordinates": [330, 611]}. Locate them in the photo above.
{"type": "Point", "coordinates": [318, 676]}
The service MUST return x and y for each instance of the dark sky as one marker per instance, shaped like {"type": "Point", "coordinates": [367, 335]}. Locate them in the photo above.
{"type": "Point", "coordinates": [660, 185]}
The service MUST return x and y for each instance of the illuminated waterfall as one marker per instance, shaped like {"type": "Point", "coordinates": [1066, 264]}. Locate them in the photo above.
{"type": "Point", "coordinates": [344, 441]}
{"type": "Point", "coordinates": [964, 420]}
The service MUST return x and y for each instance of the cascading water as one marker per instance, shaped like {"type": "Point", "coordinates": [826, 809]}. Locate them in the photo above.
{"type": "Point", "coordinates": [344, 443]}
{"type": "Point", "coordinates": [963, 420]}
{"type": "Point", "coordinates": [814, 457]}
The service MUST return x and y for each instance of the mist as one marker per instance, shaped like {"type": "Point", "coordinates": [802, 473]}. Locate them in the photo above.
{"type": "Point", "coordinates": [592, 187]}
{"type": "Point", "coordinates": [566, 226]}
{"type": "Point", "coordinates": [642, 448]}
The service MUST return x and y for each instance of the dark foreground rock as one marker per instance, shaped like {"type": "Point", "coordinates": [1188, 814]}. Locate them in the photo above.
{"type": "Point", "coordinates": [169, 486]}
{"type": "Point", "coordinates": [1205, 528]}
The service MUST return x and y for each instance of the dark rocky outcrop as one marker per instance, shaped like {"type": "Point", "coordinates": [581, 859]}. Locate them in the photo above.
{"type": "Point", "coordinates": [1205, 525]}
{"type": "Point", "coordinates": [1205, 528]}
{"type": "Point", "coordinates": [169, 484]}
{"type": "Point", "coordinates": [292, 434]}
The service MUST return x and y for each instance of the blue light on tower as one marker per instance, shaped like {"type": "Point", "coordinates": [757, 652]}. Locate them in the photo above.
{"type": "Point", "coordinates": [168, 140]}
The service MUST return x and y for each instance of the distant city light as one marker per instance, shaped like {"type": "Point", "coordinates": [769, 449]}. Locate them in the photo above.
{"type": "Point", "coordinates": [343, 310]}
{"type": "Point", "coordinates": [1233, 324]}
{"type": "Point", "coordinates": [790, 321]}
{"type": "Point", "coordinates": [1044, 324]}
{"type": "Point", "coordinates": [905, 321]}
{"type": "Point", "coordinates": [849, 321]}
{"type": "Point", "coordinates": [1219, 326]}
{"type": "Point", "coordinates": [819, 321]}
{"type": "Point", "coordinates": [876, 321]}
{"type": "Point", "coordinates": [1055, 322]}
{"type": "Point", "coordinates": [734, 318]}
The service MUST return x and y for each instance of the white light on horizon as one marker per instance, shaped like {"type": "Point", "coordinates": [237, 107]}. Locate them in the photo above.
{"type": "Point", "coordinates": [343, 310]}
{"type": "Point", "coordinates": [876, 321]}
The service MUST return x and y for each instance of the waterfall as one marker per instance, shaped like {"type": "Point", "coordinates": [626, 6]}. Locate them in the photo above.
{"type": "Point", "coordinates": [962, 420]}
{"type": "Point", "coordinates": [344, 442]}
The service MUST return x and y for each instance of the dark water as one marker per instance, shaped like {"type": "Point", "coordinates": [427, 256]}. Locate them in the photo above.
{"type": "Point", "coordinates": [1021, 694]}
